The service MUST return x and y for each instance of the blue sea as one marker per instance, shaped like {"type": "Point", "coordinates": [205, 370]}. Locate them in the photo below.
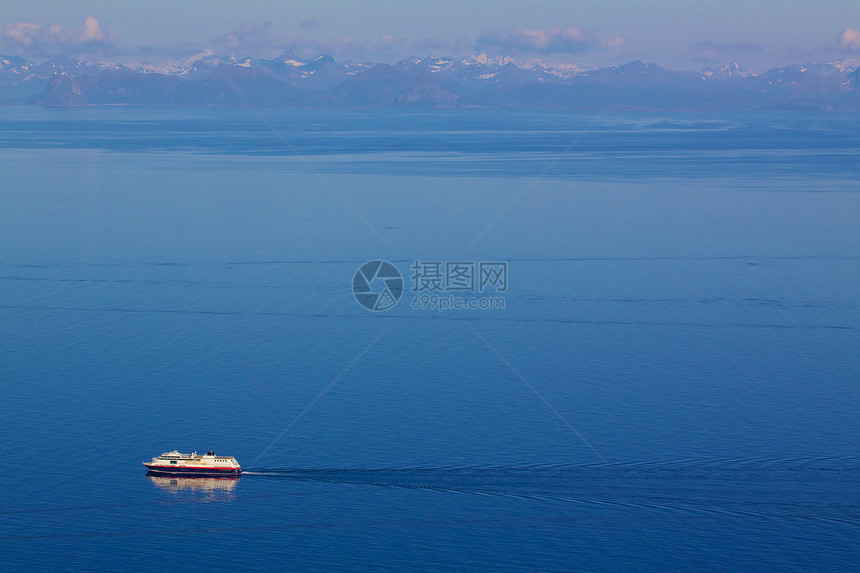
{"type": "Point", "coordinates": [661, 372]}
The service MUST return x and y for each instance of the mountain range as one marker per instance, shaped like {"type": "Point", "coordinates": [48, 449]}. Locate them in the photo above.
{"type": "Point", "coordinates": [433, 82]}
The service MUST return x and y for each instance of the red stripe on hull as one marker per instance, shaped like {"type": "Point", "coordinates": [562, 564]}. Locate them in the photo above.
{"type": "Point", "coordinates": [190, 470]}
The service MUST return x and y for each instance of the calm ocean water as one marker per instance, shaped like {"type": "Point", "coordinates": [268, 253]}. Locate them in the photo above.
{"type": "Point", "coordinates": [673, 382]}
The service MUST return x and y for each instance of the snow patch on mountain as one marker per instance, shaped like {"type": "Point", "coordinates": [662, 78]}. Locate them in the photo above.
{"type": "Point", "coordinates": [353, 68]}
{"type": "Point", "coordinates": [846, 66]}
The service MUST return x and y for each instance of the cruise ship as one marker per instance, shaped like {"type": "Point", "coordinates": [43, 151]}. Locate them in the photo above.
{"type": "Point", "coordinates": [210, 465]}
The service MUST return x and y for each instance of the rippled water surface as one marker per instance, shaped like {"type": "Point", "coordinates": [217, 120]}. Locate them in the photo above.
{"type": "Point", "coordinates": [671, 384]}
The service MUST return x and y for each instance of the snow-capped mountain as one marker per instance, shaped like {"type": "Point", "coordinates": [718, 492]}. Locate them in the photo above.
{"type": "Point", "coordinates": [15, 67]}
{"type": "Point", "coordinates": [563, 71]}
{"type": "Point", "coordinates": [731, 70]}
{"type": "Point", "coordinates": [187, 67]}
{"type": "Point", "coordinates": [485, 60]}
{"type": "Point", "coordinates": [846, 66]}
{"type": "Point", "coordinates": [437, 81]}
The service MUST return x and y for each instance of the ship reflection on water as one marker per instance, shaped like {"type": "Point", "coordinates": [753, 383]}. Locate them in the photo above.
{"type": "Point", "coordinates": [210, 488]}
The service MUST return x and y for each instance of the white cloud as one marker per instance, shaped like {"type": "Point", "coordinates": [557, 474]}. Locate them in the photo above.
{"type": "Point", "coordinates": [311, 24]}
{"type": "Point", "coordinates": [569, 40]}
{"type": "Point", "coordinates": [39, 39]}
{"type": "Point", "coordinates": [710, 52]}
{"type": "Point", "coordinates": [92, 31]}
{"type": "Point", "coordinates": [849, 40]}
{"type": "Point", "coordinates": [612, 44]}
{"type": "Point", "coordinates": [249, 37]}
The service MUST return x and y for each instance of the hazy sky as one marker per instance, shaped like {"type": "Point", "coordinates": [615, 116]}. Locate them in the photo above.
{"type": "Point", "coordinates": [675, 33]}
